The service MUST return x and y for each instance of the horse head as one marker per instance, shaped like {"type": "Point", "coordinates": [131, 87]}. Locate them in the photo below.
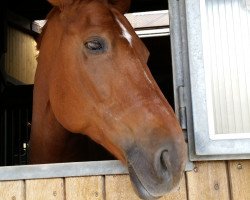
{"type": "Point", "coordinates": [92, 74]}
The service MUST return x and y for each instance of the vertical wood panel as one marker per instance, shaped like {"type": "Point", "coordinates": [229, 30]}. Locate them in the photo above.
{"type": "Point", "coordinates": [89, 188]}
{"type": "Point", "coordinates": [208, 181]}
{"type": "Point", "coordinates": [179, 194]}
{"type": "Point", "coordinates": [239, 173]}
{"type": "Point", "coordinates": [12, 190]}
{"type": "Point", "coordinates": [119, 187]}
{"type": "Point", "coordinates": [49, 189]}
{"type": "Point", "coordinates": [21, 56]}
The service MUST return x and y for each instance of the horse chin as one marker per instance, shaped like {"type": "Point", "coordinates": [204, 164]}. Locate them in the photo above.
{"type": "Point", "coordinates": [138, 187]}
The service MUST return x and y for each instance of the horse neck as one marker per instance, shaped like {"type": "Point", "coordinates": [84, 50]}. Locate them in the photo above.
{"type": "Point", "coordinates": [50, 142]}
{"type": "Point", "coordinates": [45, 127]}
{"type": "Point", "coordinates": [45, 130]}
{"type": "Point", "coordinates": [50, 41]}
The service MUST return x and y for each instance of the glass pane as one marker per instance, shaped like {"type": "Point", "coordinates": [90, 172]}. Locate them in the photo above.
{"type": "Point", "coordinates": [226, 49]}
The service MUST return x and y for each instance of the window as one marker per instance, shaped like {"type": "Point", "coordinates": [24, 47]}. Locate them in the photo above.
{"type": "Point", "coordinates": [214, 84]}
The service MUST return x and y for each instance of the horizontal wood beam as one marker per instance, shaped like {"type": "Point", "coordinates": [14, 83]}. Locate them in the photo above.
{"type": "Point", "coordinates": [21, 23]}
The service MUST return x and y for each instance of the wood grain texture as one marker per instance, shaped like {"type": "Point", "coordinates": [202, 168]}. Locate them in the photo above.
{"type": "Point", "coordinates": [85, 188]}
{"type": "Point", "coordinates": [119, 187]}
{"type": "Point", "coordinates": [179, 194]}
{"type": "Point", "coordinates": [49, 189]}
{"type": "Point", "coordinates": [20, 56]}
{"type": "Point", "coordinates": [239, 173]}
{"type": "Point", "coordinates": [12, 190]}
{"type": "Point", "coordinates": [208, 181]}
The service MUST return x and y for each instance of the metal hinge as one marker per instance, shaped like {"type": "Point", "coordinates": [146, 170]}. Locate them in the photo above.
{"type": "Point", "coordinates": [182, 107]}
{"type": "Point", "coordinates": [183, 121]}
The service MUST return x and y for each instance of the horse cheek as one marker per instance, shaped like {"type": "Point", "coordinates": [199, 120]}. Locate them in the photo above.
{"type": "Point", "coordinates": [66, 109]}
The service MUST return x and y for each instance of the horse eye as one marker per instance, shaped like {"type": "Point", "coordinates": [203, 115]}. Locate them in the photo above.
{"type": "Point", "coordinates": [95, 46]}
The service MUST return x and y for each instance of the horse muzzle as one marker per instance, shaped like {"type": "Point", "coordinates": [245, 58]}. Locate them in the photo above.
{"type": "Point", "coordinates": [155, 174]}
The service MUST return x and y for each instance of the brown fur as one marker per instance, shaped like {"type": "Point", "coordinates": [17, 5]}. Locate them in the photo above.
{"type": "Point", "coordinates": [111, 97]}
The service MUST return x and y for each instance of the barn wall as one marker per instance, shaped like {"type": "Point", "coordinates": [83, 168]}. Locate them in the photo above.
{"type": "Point", "coordinates": [209, 180]}
{"type": "Point", "coordinates": [20, 60]}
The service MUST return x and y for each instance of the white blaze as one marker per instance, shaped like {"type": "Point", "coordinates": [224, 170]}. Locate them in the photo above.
{"type": "Point", "coordinates": [147, 77]}
{"type": "Point", "coordinates": [125, 32]}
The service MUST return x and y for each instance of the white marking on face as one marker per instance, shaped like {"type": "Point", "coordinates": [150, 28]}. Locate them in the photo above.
{"type": "Point", "coordinates": [147, 77]}
{"type": "Point", "coordinates": [125, 32]}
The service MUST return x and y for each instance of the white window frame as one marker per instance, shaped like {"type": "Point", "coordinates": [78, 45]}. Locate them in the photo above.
{"type": "Point", "coordinates": [189, 72]}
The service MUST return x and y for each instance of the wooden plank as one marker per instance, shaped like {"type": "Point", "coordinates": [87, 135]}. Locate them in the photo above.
{"type": "Point", "coordinates": [49, 189]}
{"type": "Point", "coordinates": [179, 194]}
{"type": "Point", "coordinates": [21, 56]}
{"type": "Point", "coordinates": [89, 188]}
{"type": "Point", "coordinates": [13, 190]}
{"type": "Point", "coordinates": [119, 187]}
{"type": "Point", "coordinates": [208, 181]}
{"type": "Point", "coordinates": [239, 173]}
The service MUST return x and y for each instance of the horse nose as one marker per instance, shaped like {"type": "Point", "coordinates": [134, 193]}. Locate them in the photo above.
{"type": "Point", "coordinates": [165, 164]}
{"type": "Point", "coordinates": [169, 161]}
{"type": "Point", "coordinates": [165, 159]}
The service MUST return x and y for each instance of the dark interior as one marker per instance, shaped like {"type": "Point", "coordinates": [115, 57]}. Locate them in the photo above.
{"type": "Point", "coordinates": [38, 9]}
{"type": "Point", "coordinates": [16, 99]}
{"type": "Point", "coordinates": [160, 64]}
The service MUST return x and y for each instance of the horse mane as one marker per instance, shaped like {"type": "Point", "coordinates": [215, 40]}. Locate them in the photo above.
{"type": "Point", "coordinates": [40, 37]}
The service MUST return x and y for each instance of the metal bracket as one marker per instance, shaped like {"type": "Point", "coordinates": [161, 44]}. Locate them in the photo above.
{"type": "Point", "coordinates": [183, 120]}
{"type": "Point", "coordinates": [182, 107]}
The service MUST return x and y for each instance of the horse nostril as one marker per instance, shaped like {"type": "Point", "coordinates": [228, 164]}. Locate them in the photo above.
{"type": "Point", "coordinates": [165, 159]}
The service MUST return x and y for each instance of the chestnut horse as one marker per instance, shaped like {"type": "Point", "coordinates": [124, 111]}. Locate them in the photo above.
{"type": "Point", "coordinates": [92, 79]}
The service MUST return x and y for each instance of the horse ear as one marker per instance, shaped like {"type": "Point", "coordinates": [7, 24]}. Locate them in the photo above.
{"type": "Point", "coordinates": [60, 3]}
{"type": "Point", "coordinates": [121, 5]}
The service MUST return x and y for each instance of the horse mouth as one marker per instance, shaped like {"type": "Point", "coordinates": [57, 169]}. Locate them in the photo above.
{"type": "Point", "coordinates": [139, 188]}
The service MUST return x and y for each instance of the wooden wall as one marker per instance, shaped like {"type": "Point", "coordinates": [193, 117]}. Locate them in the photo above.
{"type": "Point", "coordinates": [220, 180]}
{"type": "Point", "coordinates": [20, 60]}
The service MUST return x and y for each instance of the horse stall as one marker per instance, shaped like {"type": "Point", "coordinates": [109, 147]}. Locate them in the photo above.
{"type": "Point", "coordinates": [199, 58]}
